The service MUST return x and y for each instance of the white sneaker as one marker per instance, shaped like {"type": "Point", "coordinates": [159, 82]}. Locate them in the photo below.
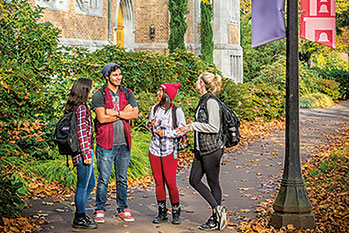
{"type": "Point", "coordinates": [99, 216]}
{"type": "Point", "coordinates": [221, 212]}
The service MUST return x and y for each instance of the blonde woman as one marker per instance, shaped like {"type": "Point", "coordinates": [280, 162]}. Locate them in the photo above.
{"type": "Point", "coordinates": [209, 148]}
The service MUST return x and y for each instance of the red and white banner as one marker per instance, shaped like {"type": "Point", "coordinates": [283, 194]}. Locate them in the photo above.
{"type": "Point", "coordinates": [318, 21]}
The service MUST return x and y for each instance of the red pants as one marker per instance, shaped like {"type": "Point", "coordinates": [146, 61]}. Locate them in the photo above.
{"type": "Point", "coordinates": [164, 171]}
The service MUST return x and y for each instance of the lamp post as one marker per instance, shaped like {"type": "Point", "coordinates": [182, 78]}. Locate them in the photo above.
{"type": "Point", "coordinates": [292, 205]}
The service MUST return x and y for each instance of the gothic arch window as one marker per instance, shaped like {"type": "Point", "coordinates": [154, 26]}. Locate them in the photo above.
{"type": "Point", "coordinates": [57, 5]}
{"type": "Point", "coordinates": [89, 7]}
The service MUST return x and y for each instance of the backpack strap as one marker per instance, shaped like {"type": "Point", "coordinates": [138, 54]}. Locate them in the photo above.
{"type": "Point", "coordinates": [174, 116]}
{"type": "Point", "coordinates": [127, 92]}
{"type": "Point", "coordinates": [156, 108]}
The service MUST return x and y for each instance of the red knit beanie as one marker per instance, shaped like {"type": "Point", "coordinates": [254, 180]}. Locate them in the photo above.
{"type": "Point", "coordinates": [171, 89]}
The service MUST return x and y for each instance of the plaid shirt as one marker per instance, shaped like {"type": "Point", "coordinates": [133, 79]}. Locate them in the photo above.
{"type": "Point", "coordinates": [84, 133]}
{"type": "Point", "coordinates": [162, 146]}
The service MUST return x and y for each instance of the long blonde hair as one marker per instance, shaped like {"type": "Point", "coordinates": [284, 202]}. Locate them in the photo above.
{"type": "Point", "coordinates": [212, 82]}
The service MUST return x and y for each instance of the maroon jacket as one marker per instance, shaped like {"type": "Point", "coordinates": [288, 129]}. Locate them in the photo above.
{"type": "Point", "coordinates": [104, 132]}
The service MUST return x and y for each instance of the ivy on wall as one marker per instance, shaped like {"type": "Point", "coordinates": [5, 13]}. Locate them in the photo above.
{"type": "Point", "coordinates": [206, 31]}
{"type": "Point", "coordinates": [178, 25]}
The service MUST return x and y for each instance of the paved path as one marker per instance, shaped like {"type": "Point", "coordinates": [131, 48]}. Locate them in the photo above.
{"type": "Point", "coordinates": [248, 177]}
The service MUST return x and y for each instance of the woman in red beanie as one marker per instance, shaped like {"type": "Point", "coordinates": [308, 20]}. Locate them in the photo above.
{"type": "Point", "coordinates": [163, 149]}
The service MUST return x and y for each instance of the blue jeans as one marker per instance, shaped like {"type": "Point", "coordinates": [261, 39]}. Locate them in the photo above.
{"type": "Point", "coordinates": [120, 155]}
{"type": "Point", "coordinates": [85, 184]}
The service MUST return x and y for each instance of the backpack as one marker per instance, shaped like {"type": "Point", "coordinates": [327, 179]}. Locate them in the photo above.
{"type": "Point", "coordinates": [231, 124]}
{"type": "Point", "coordinates": [181, 143]}
{"type": "Point", "coordinates": [66, 134]}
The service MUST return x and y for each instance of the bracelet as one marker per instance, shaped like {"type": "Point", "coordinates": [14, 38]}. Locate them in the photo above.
{"type": "Point", "coordinates": [119, 113]}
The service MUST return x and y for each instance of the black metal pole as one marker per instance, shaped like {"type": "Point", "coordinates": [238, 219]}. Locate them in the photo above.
{"type": "Point", "coordinates": [292, 205]}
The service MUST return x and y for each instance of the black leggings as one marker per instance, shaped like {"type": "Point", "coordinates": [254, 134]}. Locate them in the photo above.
{"type": "Point", "coordinates": [209, 165]}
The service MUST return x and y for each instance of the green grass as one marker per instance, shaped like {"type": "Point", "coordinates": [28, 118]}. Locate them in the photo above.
{"type": "Point", "coordinates": [56, 169]}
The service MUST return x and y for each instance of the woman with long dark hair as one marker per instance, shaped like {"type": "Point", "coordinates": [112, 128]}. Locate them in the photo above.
{"type": "Point", "coordinates": [79, 94]}
{"type": "Point", "coordinates": [163, 150]}
{"type": "Point", "coordinates": [209, 148]}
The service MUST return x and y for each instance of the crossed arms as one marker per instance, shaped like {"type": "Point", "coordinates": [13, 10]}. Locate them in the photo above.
{"type": "Point", "coordinates": [109, 115]}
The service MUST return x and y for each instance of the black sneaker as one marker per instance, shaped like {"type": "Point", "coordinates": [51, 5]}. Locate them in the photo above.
{"type": "Point", "coordinates": [221, 213]}
{"type": "Point", "coordinates": [210, 225]}
{"type": "Point", "coordinates": [84, 222]}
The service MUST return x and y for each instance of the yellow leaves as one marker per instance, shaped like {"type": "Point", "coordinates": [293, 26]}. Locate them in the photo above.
{"type": "Point", "coordinates": [207, 2]}
{"type": "Point", "coordinates": [19, 225]}
{"type": "Point", "coordinates": [245, 210]}
{"type": "Point", "coordinates": [327, 190]}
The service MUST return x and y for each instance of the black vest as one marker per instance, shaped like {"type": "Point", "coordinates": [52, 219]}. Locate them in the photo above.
{"type": "Point", "coordinates": [208, 142]}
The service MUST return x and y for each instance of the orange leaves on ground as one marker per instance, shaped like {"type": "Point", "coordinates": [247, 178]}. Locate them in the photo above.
{"type": "Point", "coordinates": [253, 130]}
{"type": "Point", "coordinates": [326, 176]}
{"type": "Point", "coordinates": [137, 183]}
{"type": "Point", "coordinates": [19, 225]}
{"type": "Point", "coordinates": [40, 188]}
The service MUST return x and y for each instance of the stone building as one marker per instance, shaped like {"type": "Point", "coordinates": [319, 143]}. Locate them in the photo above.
{"type": "Point", "coordinates": [94, 23]}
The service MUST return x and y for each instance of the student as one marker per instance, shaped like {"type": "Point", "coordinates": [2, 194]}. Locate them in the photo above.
{"type": "Point", "coordinates": [114, 105]}
{"type": "Point", "coordinates": [208, 149]}
{"type": "Point", "coordinates": [81, 91]}
{"type": "Point", "coordinates": [163, 150]}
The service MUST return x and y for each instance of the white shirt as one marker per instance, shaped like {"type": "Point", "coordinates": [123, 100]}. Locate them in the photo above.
{"type": "Point", "coordinates": [163, 146]}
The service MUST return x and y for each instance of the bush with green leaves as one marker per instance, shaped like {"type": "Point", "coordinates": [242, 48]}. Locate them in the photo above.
{"type": "Point", "coordinates": [318, 100]}
{"type": "Point", "coordinates": [11, 203]}
{"type": "Point", "coordinates": [26, 47]}
{"type": "Point", "coordinates": [250, 100]}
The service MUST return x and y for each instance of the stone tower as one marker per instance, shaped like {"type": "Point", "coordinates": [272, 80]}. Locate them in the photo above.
{"type": "Point", "coordinates": [226, 35]}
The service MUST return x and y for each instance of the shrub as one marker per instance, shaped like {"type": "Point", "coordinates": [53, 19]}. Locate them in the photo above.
{"type": "Point", "coordinates": [30, 137]}
{"type": "Point", "coordinates": [26, 47]}
{"type": "Point", "coordinates": [305, 103]}
{"type": "Point", "coordinates": [328, 87]}
{"type": "Point", "coordinates": [309, 79]}
{"type": "Point", "coordinates": [340, 76]}
{"type": "Point", "coordinates": [11, 203]}
{"type": "Point", "coordinates": [332, 66]}
{"type": "Point", "coordinates": [253, 100]}
{"type": "Point", "coordinates": [318, 100]}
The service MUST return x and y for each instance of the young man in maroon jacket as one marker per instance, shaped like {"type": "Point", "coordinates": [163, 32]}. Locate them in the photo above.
{"type": "Point", "coordinates": [114, 106]}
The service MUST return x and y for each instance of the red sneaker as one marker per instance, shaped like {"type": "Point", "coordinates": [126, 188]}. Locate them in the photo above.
{"type": "Point", "coordinates": [99, 216]}
{"type": "Point", "coordinates": [126, 216]}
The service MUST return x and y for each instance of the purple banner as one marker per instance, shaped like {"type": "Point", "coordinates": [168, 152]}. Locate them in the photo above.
{"type": "Point", "coordinates": [268, 21]}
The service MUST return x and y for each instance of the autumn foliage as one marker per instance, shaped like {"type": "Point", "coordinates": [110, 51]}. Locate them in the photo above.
{"type": "Point", "coordinates": [326, 179]}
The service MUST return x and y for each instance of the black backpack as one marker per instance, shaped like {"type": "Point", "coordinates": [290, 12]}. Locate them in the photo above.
{"type": "Point", "coordinates": [66, 134]}
{"type": "Point", "coordinates": [231, 124]}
